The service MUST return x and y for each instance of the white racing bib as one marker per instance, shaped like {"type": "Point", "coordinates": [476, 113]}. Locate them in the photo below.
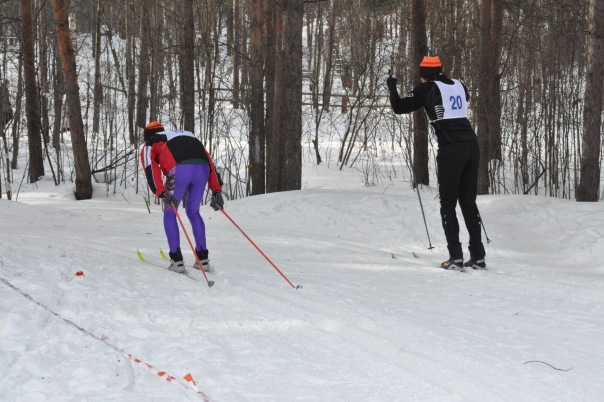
{"type": "Point", "coordinates": [454, 101]}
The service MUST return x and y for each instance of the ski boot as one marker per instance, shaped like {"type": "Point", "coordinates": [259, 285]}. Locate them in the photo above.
{"type": "Point", "coordinates": [453, 265]}
{"type": "Point", "coordinates": [202, 255]}
{"type": "Point", "coordinates": [476, 263]}
{"type": "Point", "coordinates": [176, 262]}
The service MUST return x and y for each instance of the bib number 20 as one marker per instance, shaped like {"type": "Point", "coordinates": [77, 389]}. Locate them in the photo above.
{"type": "Point", "coordinates": [456, 102]}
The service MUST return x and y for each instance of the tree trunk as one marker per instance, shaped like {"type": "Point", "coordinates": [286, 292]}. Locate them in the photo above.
{"type": "Point", "coordinates": [83, 183]}
{"type": "Point", "coordinates": [43, 49]}
{"type": "Point", "coordinates": [236, 52]}
{"type": "Point", "coordinates": [256, 102]}
{"type": "Point", "coordinates": [272, 31]}
{"type": "Point", "coordinates": [285, 164]}
{"type": "Point", "coordinates": [98, 89]}
{"type": "Point", "coordinates": [156, 70]}
{"type": "Point", "coordinates": [331, 39]}
{"type": "Point", "coordinates": [130, 74]}
{"type": "Point", "coordinates": [291, 124]}
{"type": "Point", "coordinates": [482, 106]}
{"type": "Point", "coordinates": [495, 77]}
{"type": "Point", "coordinates": [188, 64]}
{"type": "Point", "coordinates": [589, 184]}
{"type": "Point", "coordinates": [420, 123]}
{"type": "Point", "coordinates": [143, 67]}
{"type": "Point", "coordinates": [32, 102]}
{"type": "Point", "coordinates": [58, 112]}
{"type": "Point", "coordinates": [17, 117]}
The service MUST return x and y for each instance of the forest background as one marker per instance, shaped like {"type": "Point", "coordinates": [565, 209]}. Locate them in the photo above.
{"type": "Point", "coordinates": [266, 83]}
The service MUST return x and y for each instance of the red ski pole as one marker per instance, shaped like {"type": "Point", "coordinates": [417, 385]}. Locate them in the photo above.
{"type": "Point", "coordinates": [210, 283]}
{"type": "Point", "coordinates": [260, 251]}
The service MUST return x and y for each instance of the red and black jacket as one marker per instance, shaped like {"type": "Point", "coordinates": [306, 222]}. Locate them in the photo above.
{"type": "Point", "coordinates": [167, 149]}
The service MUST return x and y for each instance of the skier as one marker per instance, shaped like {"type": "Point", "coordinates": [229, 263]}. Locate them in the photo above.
{"type": "Point", "coordinates": [445, 102]}
{"type": "Point", "coordinates": [187, 168]}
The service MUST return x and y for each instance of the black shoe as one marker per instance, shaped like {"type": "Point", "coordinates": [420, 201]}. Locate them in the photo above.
{"type": "Point", "coordinates": [476, 264]}
{"type": "Point", "coordinates": [452, 264]}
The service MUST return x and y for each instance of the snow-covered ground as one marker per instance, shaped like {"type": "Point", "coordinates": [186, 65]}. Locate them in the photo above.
{"type": "Point", "coordinates": [374, 320]}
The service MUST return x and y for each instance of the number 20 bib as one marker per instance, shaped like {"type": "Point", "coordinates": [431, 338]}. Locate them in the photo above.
{"type": "Point", "coordinates": [454, 101]}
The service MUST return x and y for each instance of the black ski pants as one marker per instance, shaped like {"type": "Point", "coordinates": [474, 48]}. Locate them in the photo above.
{"type": "Point", "coordinates": [457, 164]}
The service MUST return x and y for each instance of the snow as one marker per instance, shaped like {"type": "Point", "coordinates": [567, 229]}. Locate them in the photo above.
{"type": "Point", "coordinates": [371, 322]}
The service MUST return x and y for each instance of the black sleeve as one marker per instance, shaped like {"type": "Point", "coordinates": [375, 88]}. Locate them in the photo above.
{"type": "Point", "coordinates": [412, 101]}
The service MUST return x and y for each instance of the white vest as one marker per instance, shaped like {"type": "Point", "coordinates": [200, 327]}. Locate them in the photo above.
{"type": "Point", "coordinates": [454, 101]}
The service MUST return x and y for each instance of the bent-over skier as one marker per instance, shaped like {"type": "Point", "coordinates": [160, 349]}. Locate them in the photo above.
{"type": "Point", "coordinates": [187, 168]}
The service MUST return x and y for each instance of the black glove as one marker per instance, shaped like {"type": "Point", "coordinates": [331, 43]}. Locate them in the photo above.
{"type": "Point", "coordinates": [391, 82]}
{"type": "Point", "coordinates": [168, 199]}
{"type": "Point", "coordinates": [217, 200]}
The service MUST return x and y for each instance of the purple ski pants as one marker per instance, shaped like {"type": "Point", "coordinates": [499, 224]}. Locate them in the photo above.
{"type": "Point", "coordinates": [190, 179]}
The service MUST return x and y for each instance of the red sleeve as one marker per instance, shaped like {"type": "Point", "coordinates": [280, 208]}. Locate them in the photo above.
{"type": "Point", "coordinates": [149, 158]}
{"type": "Point", "coordinates": [214, 183]}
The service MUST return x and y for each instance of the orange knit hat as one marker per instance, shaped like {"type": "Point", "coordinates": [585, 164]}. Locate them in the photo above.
{"type": "Point", "coordinates": [154, 124]}
{"type": "Point", "coordinates": [430, 66]}
{"type": "Point", "coordinates": [151, 129]}
{"type": "Point", "coordinates": [431, 61]}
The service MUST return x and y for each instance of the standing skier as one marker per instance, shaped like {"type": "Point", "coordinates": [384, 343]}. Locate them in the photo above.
{"type": "Point", "coordinates": [187, 168]}
{"type": "Point", "coordinates": [445, 102]}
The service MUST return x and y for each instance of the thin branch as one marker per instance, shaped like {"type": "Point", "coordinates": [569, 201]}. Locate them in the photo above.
{"type": "Point", "coordinates": [555, 368]}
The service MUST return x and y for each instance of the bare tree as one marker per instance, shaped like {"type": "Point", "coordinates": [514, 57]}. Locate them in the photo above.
{"type": "Point", "coordinates": [489, 105]}
{"type": "Point", "coordinates": [527, 70]}
{"type": "Point", "coordinates": [257, 138]}
{"type": "Point", "coordinates": [130, 72]}
{"type": "Point", "coordinates": [420, 122]}
{"type": "Point", "coordinates": [17, 117]}
{"type": "Point", "coordinates": [237, 37]}
{"type": "Point", "coordinates": [592, 113]}
{"type": "Point", "coordinates": [32, 102]}
{"type": "Point", "coordinates": [284, 157]}
{"type": "Point", "coordinates": [6, 115]}
{"type": "Point", "coordinates": [143, 66]}
{"type": "Point", "coordinates": [98, 89]}
{"type": "Point", "coordinates": [188, 63]}
{"type": "Point", "coordinates": [83, 182]}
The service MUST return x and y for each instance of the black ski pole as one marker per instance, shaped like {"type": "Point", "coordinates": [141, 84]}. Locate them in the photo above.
{"type": "Point", "coordinates": [424, 215]}
{"type": "Point", "coordinates": [483, 228]}
{"type": "Point", "coordinates": [421, 205]}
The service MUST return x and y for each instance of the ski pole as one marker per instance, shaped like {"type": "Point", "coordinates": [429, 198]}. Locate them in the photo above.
{"type": "Point", "coordinates": [210, 283]}
{"type": "Point", "coordinates": [424, 215]}
{"type": "Point", "coordinates": [421, 205]}
{"type": "Point", "coordinates": [260, 251]}
{"type": "Point", "coordinates": [483, 228]}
